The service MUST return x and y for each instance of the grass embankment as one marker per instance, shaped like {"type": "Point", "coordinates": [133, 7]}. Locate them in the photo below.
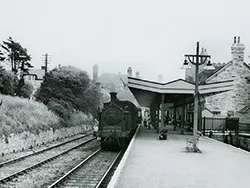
{"type": "Point", "coordinates": [26, 123]}
{"type": "Point", "coordinates": [18, 115]}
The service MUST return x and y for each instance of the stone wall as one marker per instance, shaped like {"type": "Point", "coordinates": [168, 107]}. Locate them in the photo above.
{"type": "Point", "coordinates": [236, 99]}
{"type": "Point", "coordinates": [221, 102]}
{"type": "Point", "coordinates": [26, 140]}
{"type": "Point", "coordinates": [242, 142]}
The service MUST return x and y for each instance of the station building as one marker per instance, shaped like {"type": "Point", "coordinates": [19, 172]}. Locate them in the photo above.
{"type": "Point", "coordinates": [223, 92]}
{"type": "Point", "coordinates": [235, 102]}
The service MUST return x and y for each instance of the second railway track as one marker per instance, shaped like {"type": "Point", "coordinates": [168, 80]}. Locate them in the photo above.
{"type": "Point", "coordinates": [91, 172]}
{"type": "Point", "coordinates": [13, 160]}
{"type": "Point", "coordinates": [19, 166]}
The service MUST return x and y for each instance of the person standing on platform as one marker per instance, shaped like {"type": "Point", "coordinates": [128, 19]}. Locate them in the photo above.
{"type": "Point", "coordinates": [226, 135]}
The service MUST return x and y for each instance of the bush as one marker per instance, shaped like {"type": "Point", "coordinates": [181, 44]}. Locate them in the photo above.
{"type": "Point", "coordinates": [62, 109]}
{"type": "Point", "coordinates": [8, 82]}
{"type": "Point", "coordinates": [71, 88]}
{"type": "Point", "coordinates": [9, 85]}
{"type": "Point", "coordinates": [78, 118]}
{"type": "Point", "coordinates": [24, 89]}
{"type": "Point", "coordinates": [18, 115]}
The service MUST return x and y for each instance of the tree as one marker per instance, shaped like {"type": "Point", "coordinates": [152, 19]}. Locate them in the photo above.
{"type": "Point", "coordinates": [93, 97]}
{"type": "Point", "coordinates": [8, 82]}
{"type": "Point", "coordinates": [9, 85]}
{"type": "Point", "coordinates": [17, 55]}
{"type": "Point", "coordinates": [68, 87]}
{"type": "Point", "coordinates": [24, 89]}
{"type": "Point", "coordinates": [2, 58]}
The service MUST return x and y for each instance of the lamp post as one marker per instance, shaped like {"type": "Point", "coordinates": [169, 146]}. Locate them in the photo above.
{"type": "Point", "coordinates": [196, 60]}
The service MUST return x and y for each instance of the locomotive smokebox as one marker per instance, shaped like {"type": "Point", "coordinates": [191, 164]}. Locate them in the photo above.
{"type": "Point", "coordinates": [113, 97]}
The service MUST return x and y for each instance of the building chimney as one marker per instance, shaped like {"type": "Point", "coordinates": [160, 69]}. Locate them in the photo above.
{"type": "Point", "coordinates": [129, 71]}
{"type": "Point", "coordinates": [95, 72]}
{"type": "Point", "coordinates": [237, 51]}
{"type": "Point", "coordinates": [137, 74]}
{"type": "Point", "coordinates": [160, 78]}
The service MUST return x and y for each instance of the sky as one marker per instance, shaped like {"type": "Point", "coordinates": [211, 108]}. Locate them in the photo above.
{"type": "Point", "coordinates": [151, 36]}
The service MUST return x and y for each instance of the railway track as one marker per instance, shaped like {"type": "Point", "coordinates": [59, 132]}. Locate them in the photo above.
{"type": "Point", "coordinates": [42, 150]}
{"type": "Point", "coordinates": [13, 168]}
{"type": "Point", "coordinates": [91, 172]}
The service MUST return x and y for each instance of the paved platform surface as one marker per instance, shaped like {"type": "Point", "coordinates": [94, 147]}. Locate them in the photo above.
{"type": "Point", "coordinates": [157, 163]}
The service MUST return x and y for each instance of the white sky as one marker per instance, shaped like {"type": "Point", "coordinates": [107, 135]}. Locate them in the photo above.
{"type": "Point", "coordinates": [151, 36]}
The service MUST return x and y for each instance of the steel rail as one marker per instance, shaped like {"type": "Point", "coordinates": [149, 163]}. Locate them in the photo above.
{"type": "Point", "coordinates": [109, 169]}
{"type": "Point", "coordinates": [41, 151]}
{"type": "Point", "coordinates": [63, 178]}
{"type": "Point", "coordinates": [8, 178]}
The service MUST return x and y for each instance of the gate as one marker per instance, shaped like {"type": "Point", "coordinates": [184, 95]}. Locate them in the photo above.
{"type": "Point", "coordinates": [232, 124]}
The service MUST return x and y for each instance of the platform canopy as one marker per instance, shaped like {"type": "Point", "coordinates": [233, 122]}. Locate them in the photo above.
{"type": "Point", "coordinates": [149, 92]}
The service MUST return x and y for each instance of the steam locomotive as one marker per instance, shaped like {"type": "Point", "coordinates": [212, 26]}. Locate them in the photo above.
{"type": "Point", "coordinates": [118, 122]}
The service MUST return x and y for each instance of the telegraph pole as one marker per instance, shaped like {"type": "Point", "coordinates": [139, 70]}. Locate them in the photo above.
{"type": "Point", "coordinates": [46, 61]}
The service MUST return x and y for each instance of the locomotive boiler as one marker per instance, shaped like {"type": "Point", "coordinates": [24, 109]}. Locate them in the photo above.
{"type": "Point", "coordinates": [118, 122]}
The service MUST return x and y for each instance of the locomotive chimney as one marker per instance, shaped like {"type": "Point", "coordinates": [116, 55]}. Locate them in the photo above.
{"type": "Point", "coordinates": [113, 97]}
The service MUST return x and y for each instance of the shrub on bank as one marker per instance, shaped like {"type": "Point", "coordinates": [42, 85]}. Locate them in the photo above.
{"type": "Point", "coordinates": [79, 118]}
{"type": "Point", "coordinates": [18, 115]}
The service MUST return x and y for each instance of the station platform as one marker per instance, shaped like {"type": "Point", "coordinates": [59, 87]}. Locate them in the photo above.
{"type": "Point", "coordinates": [153, 163]}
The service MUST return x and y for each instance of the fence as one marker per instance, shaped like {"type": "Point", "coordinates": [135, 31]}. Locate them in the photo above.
{"type": "Point", "coordinates": [215, 124]}
{"type": "Point", "coordinates": [218, 125]}
{"type": "Point", "coordinates": [244, 127]}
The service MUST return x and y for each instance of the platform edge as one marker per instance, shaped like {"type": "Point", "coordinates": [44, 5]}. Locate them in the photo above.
{"type": "Point", "coordinates": [115, 178]}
